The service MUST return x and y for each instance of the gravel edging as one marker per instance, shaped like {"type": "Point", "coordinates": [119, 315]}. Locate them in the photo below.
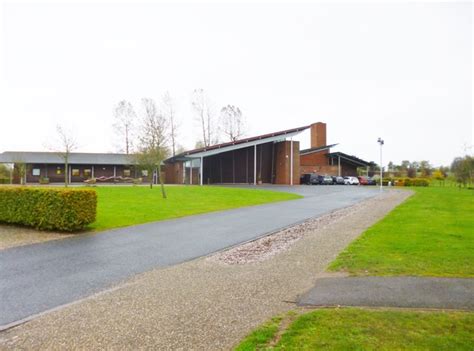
{"type": "Point", "coordinates": [264, 248]}
{"type": "Point", "coordinates": [201, 304]}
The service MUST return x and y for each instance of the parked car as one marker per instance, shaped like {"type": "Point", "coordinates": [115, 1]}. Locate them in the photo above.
{"type": "Point", "coordinates": [363, 180]}
{"type": "Point", "coordinates": [371, 181]}
{"type": "Point", "coordinates": [309, 179]}
{"type": "Point", "coordinates": [351, 181]}
{"type": "Point", "coordinates": [338, 180]}
{"type": "Point", "coordinates": [326, 180]}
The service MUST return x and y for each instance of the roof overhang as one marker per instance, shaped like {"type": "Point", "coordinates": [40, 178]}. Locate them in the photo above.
{"type": "Point", "coordinates": [239, 144]}
{"type": "Point", "coordinates": [348, 158]}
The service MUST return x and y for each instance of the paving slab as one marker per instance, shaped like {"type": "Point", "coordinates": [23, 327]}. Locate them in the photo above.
{"type": "Point", "coordinates": [36, 278]}
{"type": "Point", "coordinates": [409, 292]}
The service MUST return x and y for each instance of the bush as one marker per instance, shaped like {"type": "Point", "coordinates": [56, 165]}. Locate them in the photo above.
{"type": "Point", "coordinates": [421, 182]}
{"type": "Point", "coordinates": [411, 182]}
{"type": "Point", "coordinates": [48, 209]}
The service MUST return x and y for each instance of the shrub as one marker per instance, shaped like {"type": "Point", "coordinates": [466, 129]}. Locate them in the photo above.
{"type": "Point", "coordinates": [48, 209]}
{"type": "Point", "coordinates": [421, 182]}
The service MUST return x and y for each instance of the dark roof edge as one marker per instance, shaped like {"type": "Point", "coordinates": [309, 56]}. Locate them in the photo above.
{"type": "Point", "coordinates": [236, 142]}
{"type": "Point", "coordinates": [350, 158]}
{"type": "Point", "coordinates": [316, 149]}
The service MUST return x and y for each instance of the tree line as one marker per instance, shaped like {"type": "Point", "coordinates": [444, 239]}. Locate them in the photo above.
{"type": "Point", "coordinates": [158, 124]}
{"type": "Point", "coordinates": [154, 135]}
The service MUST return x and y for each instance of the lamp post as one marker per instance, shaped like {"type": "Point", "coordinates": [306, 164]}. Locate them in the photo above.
{"type": "Point", "coordinates": [381, 142]}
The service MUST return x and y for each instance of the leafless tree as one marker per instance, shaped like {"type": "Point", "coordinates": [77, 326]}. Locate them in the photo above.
{"type": "Point", "coordinates": [232, 122]}
{"type": "Point", "coordinates": [205, 116]}
{"type": "Point", "coordinates": [153, 141]}
{"type": "Point", "coordinates": [168, 111]}
{"type": "Point", "coordinates": [125, 119]}
{"type": "Point", "coordinates": [66, 145]}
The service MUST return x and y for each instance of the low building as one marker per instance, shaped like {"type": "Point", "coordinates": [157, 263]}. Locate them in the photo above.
{"type": "Point", "coordinates": [82, 166]}
{"type": "Point", "coordinates": [269, 158]}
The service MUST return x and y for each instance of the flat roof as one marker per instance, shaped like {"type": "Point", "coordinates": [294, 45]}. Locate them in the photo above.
{"type": "Point", "coordinates": [237, 144]}
{"type": "Point", "coordinates": [74, 158]}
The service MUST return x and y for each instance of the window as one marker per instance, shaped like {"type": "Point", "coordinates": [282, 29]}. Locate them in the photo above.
{"type": "Point", "coordinates": [36, 172]}
{"type": "Point", "coordinates": [59, 170]}
{"type": "Point", "coordinates": [126, 173]}
{"type": "Point", "coordinates": [145, 173]}
{"type": "Point", "coordinates": [87, 173]}
{"type": "Point", "coordinates": [75, 172]}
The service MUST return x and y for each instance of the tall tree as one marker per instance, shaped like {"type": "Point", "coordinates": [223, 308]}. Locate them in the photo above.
{"type": "Point", "coordinates": [168, 110]}
{"type": "Point", "coordinates": [205, 117]}
{"type": "Point", "coordinates": [124, 124]}
{"type": "Point", "coordinates": [232, 122]}
{"type": "Point", "coordinates": [66, 145]}
{"type": "Point", "coordinates": [463, 169]}
{"type": "Point", "coordinates": [153, 141]}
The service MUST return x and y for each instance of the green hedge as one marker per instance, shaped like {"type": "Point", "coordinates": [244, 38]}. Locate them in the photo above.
{"type": "Point", "coordinates": [48, 209]}
{"type": "Point", "coordinates": [407, 181]}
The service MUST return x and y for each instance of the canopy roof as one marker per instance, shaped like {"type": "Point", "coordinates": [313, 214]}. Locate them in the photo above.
{"type": "Point", "coordinates": [349, 158]}
{"type": "Point", "coordinates": [237, 144]}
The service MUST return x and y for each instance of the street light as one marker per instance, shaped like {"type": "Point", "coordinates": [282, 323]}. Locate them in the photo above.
{"type": "Point", "coordinates": [381, 142]}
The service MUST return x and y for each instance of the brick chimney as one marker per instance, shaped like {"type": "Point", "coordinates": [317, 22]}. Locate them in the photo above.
{"type": "Point", "coordinates": [318, 134]}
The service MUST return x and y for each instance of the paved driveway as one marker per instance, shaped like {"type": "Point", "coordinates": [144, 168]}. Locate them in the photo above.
{"type": "Point", "coordinates": [39, 277]}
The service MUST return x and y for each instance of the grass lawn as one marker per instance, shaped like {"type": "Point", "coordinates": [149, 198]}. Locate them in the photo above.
{"type": "Point", "coordinates": [120, 206]}
{"type": "Point", "coordinates": [362, 329]}
{"type": "Point", "coordinates": [431, 234]}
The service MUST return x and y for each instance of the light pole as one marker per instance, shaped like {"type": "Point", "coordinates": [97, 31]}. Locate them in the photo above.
{"type": "Point", "coordinates": [381, 142]}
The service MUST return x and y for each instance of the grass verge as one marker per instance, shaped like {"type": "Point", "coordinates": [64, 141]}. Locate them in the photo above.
{"type": "Point", "coordinates": [123, 206]}
{"type": "Point", "coordinates": [364, 329]}
{"type": "Point", "coordinates": [430, 234]}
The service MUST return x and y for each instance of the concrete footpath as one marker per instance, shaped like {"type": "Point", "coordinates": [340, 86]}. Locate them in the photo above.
{"type": "Point", "coordinates": [409, 292]}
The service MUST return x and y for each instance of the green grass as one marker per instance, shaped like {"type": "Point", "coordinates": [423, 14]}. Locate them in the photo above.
{"type": "Point", "coordinates": [362, 329]}
{"type": "Point", "coordinates": [127, 205]}
{"type": "Point", "coordinates": [430, 234]}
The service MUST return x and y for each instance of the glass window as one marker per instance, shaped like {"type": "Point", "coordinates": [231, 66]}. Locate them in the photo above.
{"type": "Point", "coordinates": [126, 173]}
{"type": "Point", "coordinates": [87, 173]}
{"type": "Point", "coordinates": [59, 170]}
{"type": "Point", "coordinates": [36, 171]}
{"type": "Point", "coordinates": [75, 172]}
{"type": "Point", "coordinates": [145, 173]}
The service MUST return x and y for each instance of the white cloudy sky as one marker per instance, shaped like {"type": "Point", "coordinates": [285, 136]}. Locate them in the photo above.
{"type": "Point", "coordinates": [401, 71]}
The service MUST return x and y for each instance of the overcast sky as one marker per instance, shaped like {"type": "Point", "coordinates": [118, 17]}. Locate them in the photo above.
{"type": "Point", "coordinates": [399, 71]}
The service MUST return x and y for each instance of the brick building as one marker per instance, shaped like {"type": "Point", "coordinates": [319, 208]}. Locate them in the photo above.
{"type": "Point", "coordinates": [319, 158]}
{"type": "Point", "coordinates": [269, 158]}
{"type": "Point", "coordinates": [273, 158]}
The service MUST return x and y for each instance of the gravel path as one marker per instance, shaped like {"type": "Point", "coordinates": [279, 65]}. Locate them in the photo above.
{"type": "Point", "coordinates": [202, 304]}
{"type": "Point", "coordinates": [11, 236]}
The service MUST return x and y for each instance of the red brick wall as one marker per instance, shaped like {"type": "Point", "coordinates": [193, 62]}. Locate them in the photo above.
{"type": "Point", "coordinates": [282, 162]}
{"type": "Point", "coordinates": [318, 134]}
{"type": "Point", "coordinates": [315, 158]}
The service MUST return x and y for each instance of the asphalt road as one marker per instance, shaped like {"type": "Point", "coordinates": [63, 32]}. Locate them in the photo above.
{"type": "Point", "coordinates": [39, 277]}
{"type": "Point", "coordinates": [408, 292]}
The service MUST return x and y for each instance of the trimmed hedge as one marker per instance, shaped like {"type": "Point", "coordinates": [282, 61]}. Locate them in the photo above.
{"type": "Point", "coordinates": [407, 181]}
{"type": "Point", "coordinates": [48, 209]}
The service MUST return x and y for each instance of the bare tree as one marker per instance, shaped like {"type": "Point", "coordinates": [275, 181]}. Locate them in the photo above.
{"type": "Point", "coordinates": [205, 116]}
{"type": "Point", "coordinates": [169, 112]}
{"type": "Point", "coordinates": [66, 145]}
{"type": "Point", "coordinates": [124, 124]}
{"type": "Point", "coordinates": [153, 141]}
{"type": "Point", "coordinates": [232, 122]}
